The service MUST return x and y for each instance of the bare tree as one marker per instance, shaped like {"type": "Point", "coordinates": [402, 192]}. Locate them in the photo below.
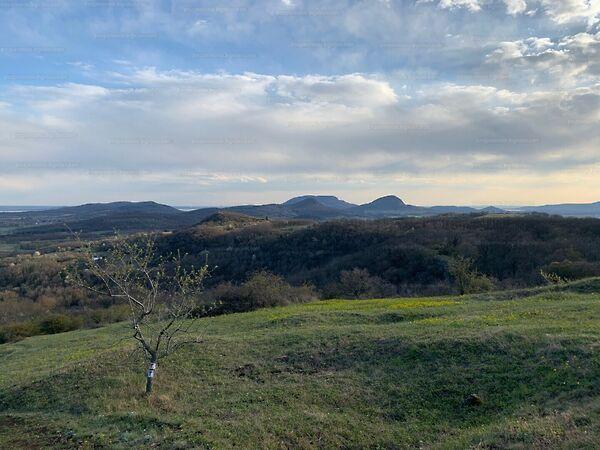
{"type": "Point", "coordinates": [162, 295]}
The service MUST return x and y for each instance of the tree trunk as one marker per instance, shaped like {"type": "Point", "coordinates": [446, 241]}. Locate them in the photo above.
{"type": "Point", "coordinates": [150, 375]}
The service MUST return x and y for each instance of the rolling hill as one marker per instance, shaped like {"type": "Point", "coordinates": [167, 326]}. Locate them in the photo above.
{"type": "Point", "coordinates": [151, 216]}
{"type": "Point", "coordinates": [452, 372]}
{"type": "Point", "coordinates": [91, 210]}
{"type": "Point", "coordinates": [94, 218]}
{"type": "Point", "coordinates": [567, 209]}
{"type": "Point", "coordinates": [388, 206]}
{"type": "Point", "coordinates": [311, 208]}
{"type": "Point", "coordinates": [327, 200]}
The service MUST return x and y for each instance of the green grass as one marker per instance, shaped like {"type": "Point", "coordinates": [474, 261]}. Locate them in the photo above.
{"type": "Point", "coordinates": [390, 373]}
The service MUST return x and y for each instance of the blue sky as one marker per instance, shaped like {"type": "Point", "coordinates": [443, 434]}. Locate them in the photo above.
{"type": "Point", "coordinates": [206, 102]}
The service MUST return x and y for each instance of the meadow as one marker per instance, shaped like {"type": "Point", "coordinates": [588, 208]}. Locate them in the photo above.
{"type": "Point", "coordinates": [384, 373]}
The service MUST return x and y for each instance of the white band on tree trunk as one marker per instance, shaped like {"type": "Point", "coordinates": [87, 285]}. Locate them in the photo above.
{"type": "Point", "coordinates": [151, 370]}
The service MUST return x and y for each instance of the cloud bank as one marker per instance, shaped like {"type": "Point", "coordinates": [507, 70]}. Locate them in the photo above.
{"type": "Point", "coordinates": [453, 100]}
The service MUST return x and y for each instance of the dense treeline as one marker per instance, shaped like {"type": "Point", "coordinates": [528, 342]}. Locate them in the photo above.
{"type": "Point", "coordinates": [413, 254]}
{"type": "Point", "coordinates": [258, 262]}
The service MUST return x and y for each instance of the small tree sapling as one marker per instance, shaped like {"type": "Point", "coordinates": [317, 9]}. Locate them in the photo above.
{"type": "Point", "coordinates": [161, 293]}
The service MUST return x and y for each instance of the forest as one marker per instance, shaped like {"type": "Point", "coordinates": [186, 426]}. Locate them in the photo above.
{"type": "Point", "coordinates": [257, 262]}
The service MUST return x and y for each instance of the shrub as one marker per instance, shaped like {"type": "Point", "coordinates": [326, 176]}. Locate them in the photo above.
{"type": "Point", "coordinates": [59, 323]}
{"type": "Point", "coordinates": [20, 310]}
{"type": "Point", "coordinates": [261, 290]}
{"type": "Point", "coordinates": [572, 270]}
{"type": "Point", "coordinates": [552, 278]}
{"type": "Point", "coordinates": [116, 313]}
{"type": "Point", "coordinates": [17, 331]}
{"type": "Point", "coordinates": [466, 278]}
{"type": "Point", "coordinates": [358, 283]}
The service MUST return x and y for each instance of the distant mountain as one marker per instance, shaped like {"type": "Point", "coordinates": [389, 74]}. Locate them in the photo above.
{"type": "Point", "coordinates": [493, 210]}
{"type": "Point", "coordinates": [392, 206]}
{"type": "Point", "coordinates": [387, 203]}
{"type": "Point", "coordinates": [101, 209]}
{"type": "Point", "coordinates": [152, 216]}
{"type": "Point", "coordinates": [311, 208]}
{"type": "Point", "coordinates": [327, 200]}
{"type": "Point", "coordinates": [95, 216]}
{"type": "Point", "coordinates": [566, 209]}
{"type": "Point", "coordinates": [388, 206]}
{"type": "Point", "coordinates": [90, 210]}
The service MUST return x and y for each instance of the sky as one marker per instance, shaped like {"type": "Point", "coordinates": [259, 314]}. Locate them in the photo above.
{"type": "Point", "coordinates": [191, 102]}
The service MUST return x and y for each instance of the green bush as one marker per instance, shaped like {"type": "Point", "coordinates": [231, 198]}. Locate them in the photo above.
{"type": "Point", "coordinates": [59, 323]}
{"type": "Point", "coordinates": [17, 331]}
{"type": "Point", "coordinates": [261, 290]}
{"type": "Point", "coordinates": [56, 323]}
{"type": "Point", "coordinates": [116, 313]}
{"type": "Point", "coordinates": [466, 278]}
{"type": "Point", "coordinates": [572, 270]}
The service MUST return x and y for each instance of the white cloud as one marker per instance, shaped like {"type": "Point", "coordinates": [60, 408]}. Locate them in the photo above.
{"type": "Point", "coordinates": [514, 7]}
{"type": "Point", "coordinates": [569, 61]}
{"type": "Point", "coordinates": [254, 128]}
{"type": "Point", "coordinates": [339, 91]}
{"type": "Point", "coordinates": [563, 11]}
{"type": "Point", "coordinates": [472, 5]}
{"type": "Point", "coordinates": [560, 11]}
{"type": "Point", "coordinates": [350, 90]}
{"type": "Point", "coordinates": [507, 51]}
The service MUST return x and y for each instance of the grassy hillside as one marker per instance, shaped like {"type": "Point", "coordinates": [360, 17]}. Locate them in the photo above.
{"type": "Point", "coordinates": [388, 373]}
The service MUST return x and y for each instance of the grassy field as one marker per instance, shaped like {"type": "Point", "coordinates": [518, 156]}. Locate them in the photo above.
{"type": "Point", "coordinates": [391, 373]}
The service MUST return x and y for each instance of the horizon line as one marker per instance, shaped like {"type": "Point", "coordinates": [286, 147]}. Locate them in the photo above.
{"type": "Point", "coordinates": [193, 207]}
